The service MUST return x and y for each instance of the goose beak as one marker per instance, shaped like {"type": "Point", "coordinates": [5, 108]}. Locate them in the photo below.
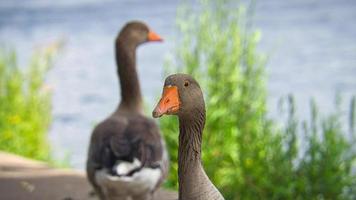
{"type": "Point", "coordinates": [152, 36]}
{"type": "Point", "coordinates": [169, 103]}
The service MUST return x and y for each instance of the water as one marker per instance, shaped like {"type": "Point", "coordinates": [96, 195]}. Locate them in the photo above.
{"type": "Point", "coordinates": [311, 45]}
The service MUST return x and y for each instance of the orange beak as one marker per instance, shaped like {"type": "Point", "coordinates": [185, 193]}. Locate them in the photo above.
{"type": "Point", "coordinates": [169, 103]}
{"type": "Point", "coordinates": [152, 36]}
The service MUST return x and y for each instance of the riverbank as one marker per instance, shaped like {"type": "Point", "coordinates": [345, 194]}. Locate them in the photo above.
{"type": "Point", "coordinates": [22, 178]}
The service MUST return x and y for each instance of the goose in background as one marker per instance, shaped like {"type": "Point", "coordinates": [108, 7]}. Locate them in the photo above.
{"type": "Point", "coordinates": [183, 97]}
{"type": "Point", "coordinates": [127, 158]}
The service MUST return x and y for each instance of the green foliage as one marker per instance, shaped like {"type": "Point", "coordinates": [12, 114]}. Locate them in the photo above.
{"type": "Point", "coordinates": [244, 153]}
{"type": "Point", "coordinates": [25, 104]}
{"type": "Point", "coordinates": [323, 157]}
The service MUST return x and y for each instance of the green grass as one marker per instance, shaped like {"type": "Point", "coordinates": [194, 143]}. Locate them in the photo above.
{"type": "Point", "coordinates": [246, 154]}
{"type": "Point", "coordinates": [25, 104]}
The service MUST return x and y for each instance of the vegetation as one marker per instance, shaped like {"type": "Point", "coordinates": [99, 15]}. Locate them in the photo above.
{"type": "Point", "coordinates": [245, 153]}
{"type": "Point", "coordinates": [25, 104]}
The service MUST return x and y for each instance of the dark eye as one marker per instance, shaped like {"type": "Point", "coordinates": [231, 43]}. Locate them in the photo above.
{"type": "Point", "coordinates": [186, 83]}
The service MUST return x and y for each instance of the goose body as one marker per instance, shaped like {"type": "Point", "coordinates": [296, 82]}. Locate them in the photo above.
{"type": "Point", "coordinates": [183, 97]}
{"type": "Point", "coordinates": [127, 159]}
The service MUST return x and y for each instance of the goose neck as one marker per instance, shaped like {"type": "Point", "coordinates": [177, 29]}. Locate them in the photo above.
{"type": "Point", "coordinates": [189, 153]}
{"type": "Point", "coordinates": [131, 98]}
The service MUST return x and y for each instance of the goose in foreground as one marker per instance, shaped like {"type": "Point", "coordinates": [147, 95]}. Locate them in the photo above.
{"type": "Point", "coordinates": [183, 97]}
{"type": "Point", "coordinates": [127, 159]}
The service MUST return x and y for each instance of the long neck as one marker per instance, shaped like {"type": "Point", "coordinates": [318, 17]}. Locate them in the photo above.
{"type": "Point", "coordinates": [190, 171]}
{"type": "Point", "coordinates": [131, 98]}
{"type": "Point", "coordinates": [194, 184]}
{"type": "Point", "coordinates": [190, 138]}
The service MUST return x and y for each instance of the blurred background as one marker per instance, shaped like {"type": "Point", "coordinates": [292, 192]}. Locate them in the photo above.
{"type": "Point", "coordinates": [307, 48]}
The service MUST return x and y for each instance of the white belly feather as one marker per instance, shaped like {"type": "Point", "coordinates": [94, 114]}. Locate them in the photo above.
{"type": "Point", "coordinates": [140, 182]}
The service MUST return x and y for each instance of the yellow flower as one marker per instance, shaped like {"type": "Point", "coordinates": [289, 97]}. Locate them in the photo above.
{"type": "Point", "coordinates": [14, 119]}
{"type": "Point", "coordinates": [248, 162]}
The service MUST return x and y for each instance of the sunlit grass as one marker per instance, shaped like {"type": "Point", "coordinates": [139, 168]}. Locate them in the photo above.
{"type": "Point", "coordinates": [25, 104]}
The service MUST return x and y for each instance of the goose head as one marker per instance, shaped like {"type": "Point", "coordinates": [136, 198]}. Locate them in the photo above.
{"type": "Point", "coordinates": [181, 96]}
{"type": "Point", "coordinates": [136, 33]}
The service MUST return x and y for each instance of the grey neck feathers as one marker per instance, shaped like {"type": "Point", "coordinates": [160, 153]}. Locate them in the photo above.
{"type": "Point", "coordinates": [131, 98]}
{"type": "Point", "coordinates": [190, 138]}
{"type": "Point", "coordinates": [189, 155]}
{"type": "Point", "coordinates": [194, 184]}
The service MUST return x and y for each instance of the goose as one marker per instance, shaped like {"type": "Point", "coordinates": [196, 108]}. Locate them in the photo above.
{"type": "Point", "coordinates": [183, 97]}
{"type": "Point", "coordinates": [127, 157]}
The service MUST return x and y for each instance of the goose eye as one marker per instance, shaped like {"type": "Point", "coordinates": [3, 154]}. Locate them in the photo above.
{"type": "Point", "coordinates": [186, 84]}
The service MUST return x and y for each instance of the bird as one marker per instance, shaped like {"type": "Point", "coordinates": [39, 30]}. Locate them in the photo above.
{"type": "Point", "coordinates": [183, 97]}
{"type": "Point", "coordinates": [127, 157]}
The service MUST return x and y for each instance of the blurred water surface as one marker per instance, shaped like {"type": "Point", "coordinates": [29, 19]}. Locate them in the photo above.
{"type": "Point", "coordinates": [311, 46]}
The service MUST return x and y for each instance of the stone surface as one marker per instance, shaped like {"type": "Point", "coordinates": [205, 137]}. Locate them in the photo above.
{"type": "Point", "coordinates": [22, 178]}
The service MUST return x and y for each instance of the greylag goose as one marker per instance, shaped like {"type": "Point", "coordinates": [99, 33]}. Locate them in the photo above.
{"type": "Point", "coordinates": [127, 158]}
{"type": "Point", "coordinates": [183, 97]}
